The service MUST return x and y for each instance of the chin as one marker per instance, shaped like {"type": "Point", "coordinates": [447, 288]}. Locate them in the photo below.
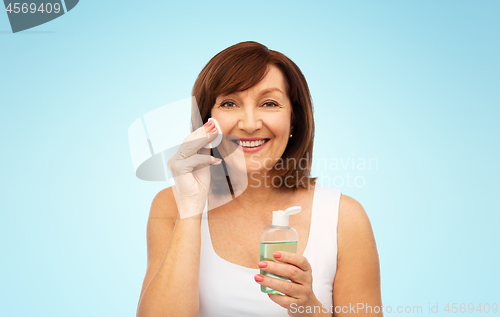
{"type": "Point", "coordinates": [247, 169]}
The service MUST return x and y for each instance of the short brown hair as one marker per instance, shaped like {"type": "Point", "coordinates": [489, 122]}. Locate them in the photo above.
{"type": "Point", "coordinates": [242, 66]}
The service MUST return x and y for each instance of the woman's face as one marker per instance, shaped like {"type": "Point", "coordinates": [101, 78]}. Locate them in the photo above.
{"type": "Point", "coordinates": [256, 120]}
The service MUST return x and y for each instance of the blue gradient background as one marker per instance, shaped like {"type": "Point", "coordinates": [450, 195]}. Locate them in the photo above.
{"type": "Point", "coordinates": [414, 84]}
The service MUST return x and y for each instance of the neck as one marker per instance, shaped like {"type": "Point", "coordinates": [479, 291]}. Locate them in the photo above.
{"type": "Point", "coordinates": [261, 194]}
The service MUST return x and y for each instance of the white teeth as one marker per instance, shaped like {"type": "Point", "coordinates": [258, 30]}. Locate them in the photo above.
{"type": "Point", "coordinates": [251, 143]}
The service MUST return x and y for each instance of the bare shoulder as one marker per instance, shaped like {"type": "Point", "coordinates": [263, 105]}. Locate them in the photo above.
{"type": "Point", "coordinates": [164, 206]}
{"type": "Point", "coordinates": [353, 221]}
{"type": "Point", "coordinates": [351, 208]}
{"type": "Point", "coordinates": [358, 270]}
{"type": "Point", "coordinates": [161, 223]}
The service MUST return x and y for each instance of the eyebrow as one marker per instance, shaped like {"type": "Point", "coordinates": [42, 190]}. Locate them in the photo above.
{"type": "Point", "coordinates": [264, 92]}
{"type": "Point", "coordinates": [269, 90]}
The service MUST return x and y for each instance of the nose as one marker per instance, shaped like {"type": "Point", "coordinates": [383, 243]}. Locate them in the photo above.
{"type": "Point", "coordinates": [250, 120]}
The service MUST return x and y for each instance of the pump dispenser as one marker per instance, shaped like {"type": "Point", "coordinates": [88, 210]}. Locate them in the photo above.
{"type": "Point", "coordinates": [278, 237]}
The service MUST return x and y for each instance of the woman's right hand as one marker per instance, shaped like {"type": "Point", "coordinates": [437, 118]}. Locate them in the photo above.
{"type": "Point", "coordinates": [190, 167]}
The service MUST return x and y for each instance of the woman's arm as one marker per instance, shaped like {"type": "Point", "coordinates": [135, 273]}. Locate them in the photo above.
{"type": "Point", "coordinates": [170, 286]}
{"type": "Point", "coordinates": [174, 237]}
{"type": "Point", "coordinates": [357, 281]}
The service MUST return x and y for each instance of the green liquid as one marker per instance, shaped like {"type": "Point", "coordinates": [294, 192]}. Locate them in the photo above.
{"type": "Point", "coordinates": [266, 254]}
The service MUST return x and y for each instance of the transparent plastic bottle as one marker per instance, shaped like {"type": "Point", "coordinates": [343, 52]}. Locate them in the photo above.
{"type": "Point", "coordinates": [278, 237]}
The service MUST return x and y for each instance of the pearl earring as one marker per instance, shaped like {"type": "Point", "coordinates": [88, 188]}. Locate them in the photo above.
{"type": "Point", "coordinates": [290, 135]}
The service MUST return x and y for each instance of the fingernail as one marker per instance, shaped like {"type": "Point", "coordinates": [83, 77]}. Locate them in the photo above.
{"type": "Point", "coordinates": [259, 278]}
{"type": "Point", "coordinates": [217, 161]}
{"type": "Point", "coordinates": [277, 255]}
{"type": "Point", "coordinates": [262, 264]}
{"type": "Point", "coordinates": [209, 126]}
{"type": "Point", "coordinates": [214, 130]}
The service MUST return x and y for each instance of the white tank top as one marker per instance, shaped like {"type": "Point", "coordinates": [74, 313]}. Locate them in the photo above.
{"type": "Point", "coordinates": [229, 290]}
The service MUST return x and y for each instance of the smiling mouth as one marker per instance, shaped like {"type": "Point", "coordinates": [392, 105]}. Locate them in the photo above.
{"type": "Point", "coordinates": [250, 144]}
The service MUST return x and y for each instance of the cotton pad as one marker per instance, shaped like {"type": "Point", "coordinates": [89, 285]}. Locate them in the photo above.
{"type": "Point", "coordinates": [218, 139]}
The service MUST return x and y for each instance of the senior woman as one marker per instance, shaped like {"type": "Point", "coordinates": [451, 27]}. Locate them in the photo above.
{"type": "Point", "coordinates": [204, 261]}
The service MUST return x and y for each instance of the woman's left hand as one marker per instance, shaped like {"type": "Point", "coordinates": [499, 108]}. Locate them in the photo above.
{"type": "Point", "coordinates": [298, 293]}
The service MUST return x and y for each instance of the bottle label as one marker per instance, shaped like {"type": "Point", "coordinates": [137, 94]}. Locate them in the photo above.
{"type": "Point", "coordinates": [266, 254]}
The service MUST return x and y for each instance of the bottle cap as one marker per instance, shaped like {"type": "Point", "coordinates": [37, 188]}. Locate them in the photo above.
{"type": "Point", "coordinates": [215, 142]}
{"type": "Point", "coordinates": [280, 217]}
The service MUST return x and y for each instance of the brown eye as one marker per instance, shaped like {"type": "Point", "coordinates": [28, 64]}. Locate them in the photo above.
{"type": "Point", "coordinates": [270, 104]}
{"type": "Point", "coordinates": [228, 104]}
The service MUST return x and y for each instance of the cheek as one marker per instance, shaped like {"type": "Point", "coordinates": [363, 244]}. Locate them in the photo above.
{"type": "Point", "coordinates": [225, 123]}
{"type": "Point", "coordinates": [280, 127]}
{"type": "Point", "coordinates": [226, 127]}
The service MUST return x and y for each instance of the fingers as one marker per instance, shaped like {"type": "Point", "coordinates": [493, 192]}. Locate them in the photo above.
{"type": "Point", "coordinates": [292, 258]}
{"type": "Point", "coordinates": [194, 143]}
{"type": "Point", "coordinates": [187, 165]}
{"type": "Point", "coordinates": [197, 140]}
{"type": "Point", "coordinates": [189, 148]}
{"type": "Point", "coordinates": [201, 163]}
{"type": "Point", "coordinates": [288, 288]}
{"type": "Point", "coordinates": [282, 300]}
{"type": "Point", "coordinates": [293, 266]}
{"type": "Point", "coordinates": [291, 272]}
{"type": "Point", "coordinates": [204, 151]}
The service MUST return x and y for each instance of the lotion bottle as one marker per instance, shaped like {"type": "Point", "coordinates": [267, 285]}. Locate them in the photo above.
{"type": "Point", "coordinates": [278, 237]}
